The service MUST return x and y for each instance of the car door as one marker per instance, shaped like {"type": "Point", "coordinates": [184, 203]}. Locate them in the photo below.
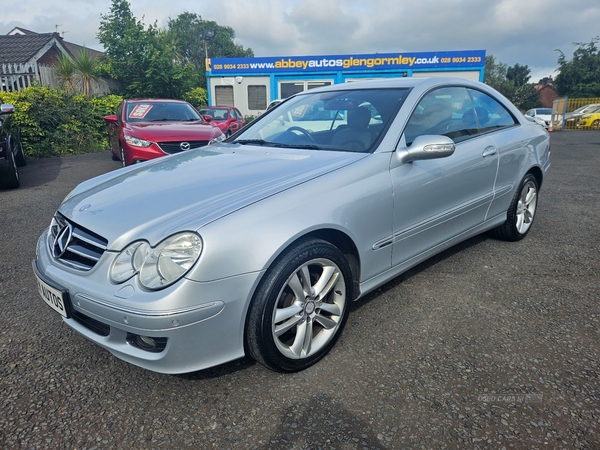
{"type": "Point", "coordinates": [438, 199]}
{"type": "Point", "coordinates": [114, 131]}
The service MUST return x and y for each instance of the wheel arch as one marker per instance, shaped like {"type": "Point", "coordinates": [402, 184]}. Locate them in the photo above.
{"type": "Point", "coordinates": [342, 241]}
{"type": "Point", "coordinates": [538, 174]}
{"type": "Point", "coordinates": [346, 245]}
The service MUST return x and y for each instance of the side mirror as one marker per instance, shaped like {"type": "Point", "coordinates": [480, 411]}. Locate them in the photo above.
{"type": "Point", "coordinates": [6, 108]}
{"type": "Point", "coordinates": [111, 119]}
{"type": "Point", "coordinates": [208, 117]}
{"type": "Point", "coordinates": [427, 147]}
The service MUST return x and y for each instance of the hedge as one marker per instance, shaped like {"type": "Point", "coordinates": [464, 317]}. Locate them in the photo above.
{"type": "Point", "coordinates": [54, 123]}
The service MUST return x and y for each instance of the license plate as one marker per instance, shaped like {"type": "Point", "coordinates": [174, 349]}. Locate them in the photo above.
{"type": "Point", "coordinates": [55, 298]}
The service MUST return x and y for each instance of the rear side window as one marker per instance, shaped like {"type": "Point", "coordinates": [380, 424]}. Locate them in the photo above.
{"type": "Point", "coordinates": [491, 114]}
{"type": "Point", "coordinates": [458, 113]}
{"type": "Point", "coordinates": [441, 112]}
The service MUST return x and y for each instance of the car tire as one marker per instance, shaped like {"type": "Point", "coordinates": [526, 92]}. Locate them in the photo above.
{"type": "Point", "coordinates": [20, 153]}
{"type": "Point", "coordinates": [596, 125]}
{"type": "Point", "coordinates": [290, 324]}
{"type": "Point", "coordinates": [521, 212]}
{"type": "Point", "coordinates": [10, 180]}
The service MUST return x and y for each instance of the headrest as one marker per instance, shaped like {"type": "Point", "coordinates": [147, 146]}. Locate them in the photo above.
{"type": "Point", "coordinates": [359, 117]}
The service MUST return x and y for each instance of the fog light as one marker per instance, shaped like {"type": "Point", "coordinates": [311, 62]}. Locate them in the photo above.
{"type": "Point", "coordinates": [147, 343]}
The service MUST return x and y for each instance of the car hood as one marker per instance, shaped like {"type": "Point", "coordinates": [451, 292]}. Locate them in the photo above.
{"type": "Point", "coordinates": [179, 131]}
{"type": "Point", "coordinates": [186, 191]}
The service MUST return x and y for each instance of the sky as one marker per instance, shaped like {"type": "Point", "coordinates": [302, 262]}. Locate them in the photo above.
{"type": "Point", "coordinates": [526, 32]}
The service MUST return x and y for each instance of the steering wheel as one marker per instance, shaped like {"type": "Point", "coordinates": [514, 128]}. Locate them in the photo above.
{"type": "Point", "coordinates": [301, 130]}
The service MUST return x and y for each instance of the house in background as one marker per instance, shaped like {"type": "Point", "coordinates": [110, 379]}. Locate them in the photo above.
{"type": "Point", "coordinates": [547, 92]}
{"type": "Point", "coordinates": [27, 58]}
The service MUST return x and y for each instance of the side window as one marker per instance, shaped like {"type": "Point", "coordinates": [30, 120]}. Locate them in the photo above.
{"type": "Point", "coordinates": [491, 114]}
{"type": "Point", "coordinates": [445, 112]}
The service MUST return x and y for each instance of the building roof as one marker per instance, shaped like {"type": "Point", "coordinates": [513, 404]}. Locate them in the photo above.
{"type": "Point", "coordinates": [19, 30]}
{"type": "Point", "coordinates": [21, 48]}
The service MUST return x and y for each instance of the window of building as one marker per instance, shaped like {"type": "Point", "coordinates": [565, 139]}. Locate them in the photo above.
{"type": "Point", "coordinates": [289, 88]}
{"type": "Point", "coordinates": [224, 95]}
{"type": "Point", "coordinates": [257, 97]}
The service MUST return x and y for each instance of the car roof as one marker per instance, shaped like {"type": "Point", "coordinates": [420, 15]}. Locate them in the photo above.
{"type": "Point", "coordinates": [405, 82]}
{"type": "Point", "coordinates": [154, 100]}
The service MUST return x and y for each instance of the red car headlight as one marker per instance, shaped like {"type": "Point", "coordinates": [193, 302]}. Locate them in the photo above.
{"type": "Point", "coordinates": [137, 142]}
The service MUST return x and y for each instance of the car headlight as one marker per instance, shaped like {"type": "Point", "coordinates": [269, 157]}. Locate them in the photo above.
{"type": "Point", "coordinates": [137, 142]}
{"type": "Point", "coordinates": [160, 266]}
{"type": "Point", "coordinates": [219, 138]}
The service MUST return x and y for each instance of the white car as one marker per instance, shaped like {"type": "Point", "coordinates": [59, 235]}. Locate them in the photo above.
{"type": "Point", "coordinates": [541, 116]}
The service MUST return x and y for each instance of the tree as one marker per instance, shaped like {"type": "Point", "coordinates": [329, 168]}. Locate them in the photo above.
{"type": "Point", "coordinates": [85, 67]}
{"type": "Point", "coordinates": [524, 94]}
{"type": "Point", "coordinates": [580, 77]}
{"type": "Point", "coordinates": [518, 74]}
{"type": "Point", "coordinates": [65, 71]}
{"type": "Point", "coordinates": [78, 72]}
{"type": "Point", "coordinates": [123, 38]}
{"type": "Point", "coordinates": [143, 59]}
{"type": "Point", "coordinates": [512, 82]}
{"type": "Point", "coordinates": [495, 76]}
{"type": "Point", "coordinates": [187, 32]}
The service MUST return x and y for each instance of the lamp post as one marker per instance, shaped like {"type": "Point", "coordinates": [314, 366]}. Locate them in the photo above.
{"type": "Point", "coordinates": [208, 35]}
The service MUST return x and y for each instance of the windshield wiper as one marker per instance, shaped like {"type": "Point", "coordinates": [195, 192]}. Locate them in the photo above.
{"type": "Point", "coordinates": [275, 144]}
{"type": "Point", "coordinates": [252, 142]}
{"type": "Point", "coordinates": [307, 146]}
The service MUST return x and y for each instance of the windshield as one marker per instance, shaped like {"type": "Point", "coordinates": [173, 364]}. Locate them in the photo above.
{"type": "Point", "coordinates": [350, 120]}
{"type": "Point", "coordinates": [161, 112]}
{"type": "Point", "coordinates": [216, 113]}
{"type": "Point", "coordinates": [543, 111]}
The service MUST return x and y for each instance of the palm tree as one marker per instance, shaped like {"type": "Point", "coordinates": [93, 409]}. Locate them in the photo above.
{"type": "Point", "coordinates": [65, 70]}
{"type": "Point", "coordinates": [85, 66]}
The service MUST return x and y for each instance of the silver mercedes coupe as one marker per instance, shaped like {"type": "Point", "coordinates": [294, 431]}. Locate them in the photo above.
{"type": "Point", "coordinates": [258, 245]}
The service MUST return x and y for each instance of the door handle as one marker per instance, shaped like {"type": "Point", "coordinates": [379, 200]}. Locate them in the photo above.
{"type": "Point", "coordinates": [489, 151]}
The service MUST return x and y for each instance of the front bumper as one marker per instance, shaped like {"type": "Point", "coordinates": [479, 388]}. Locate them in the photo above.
{"type": "Point", "coordinates": [139, 154]}
{"type": "Point", "coordinates": [201, 324]}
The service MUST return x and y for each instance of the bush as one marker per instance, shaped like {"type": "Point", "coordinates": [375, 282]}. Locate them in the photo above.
{"type": "Point", "coordinates": [54, 123]}
{"type": "Point", "coordinates": [196, 97]}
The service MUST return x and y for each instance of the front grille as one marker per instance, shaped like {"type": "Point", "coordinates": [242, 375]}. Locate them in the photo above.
{"type": "Point", "coordinates": [73, 245]}
{"type": "Point", "coordinates": [91, 324]}
{"type": "Point", "coordinates": [176, 147]}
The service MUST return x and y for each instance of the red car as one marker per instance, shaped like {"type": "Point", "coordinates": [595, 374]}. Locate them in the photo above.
{"type": "Point", "coordinates": [227, 118]}
{"type": "Point", "coordinates": [144, 129]}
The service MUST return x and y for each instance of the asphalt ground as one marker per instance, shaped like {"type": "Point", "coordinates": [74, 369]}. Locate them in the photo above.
{"type": "Point", "coordinates": [488, 345]}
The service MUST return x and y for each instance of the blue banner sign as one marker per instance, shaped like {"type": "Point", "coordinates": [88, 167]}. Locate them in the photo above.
{"type": "Point", "coordinates": [377, 61]}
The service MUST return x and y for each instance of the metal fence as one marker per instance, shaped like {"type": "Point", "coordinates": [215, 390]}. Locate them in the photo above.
{"type": "Point", "coordinates": [576, 114]}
